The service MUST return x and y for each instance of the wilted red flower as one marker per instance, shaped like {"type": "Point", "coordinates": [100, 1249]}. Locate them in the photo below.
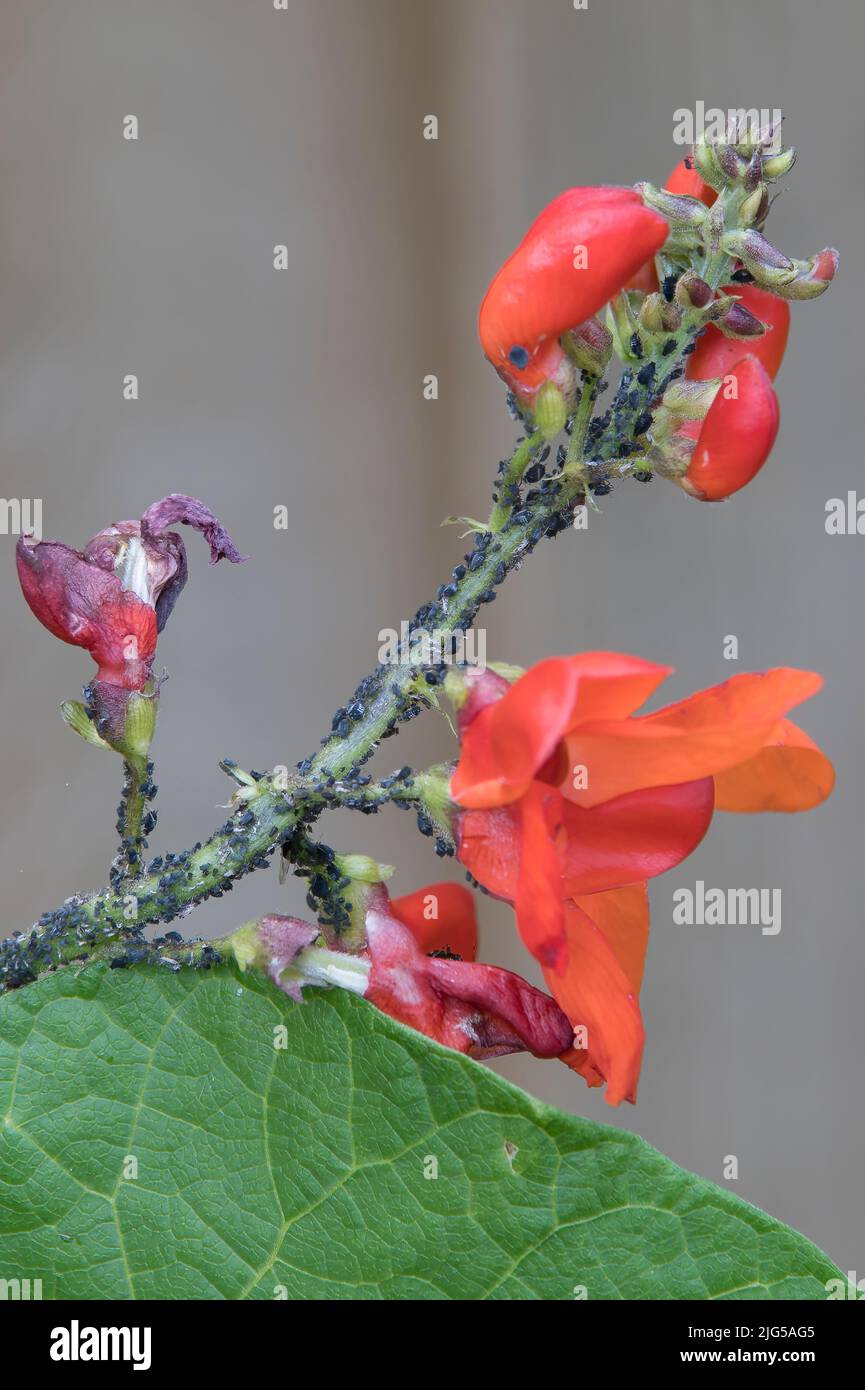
{"type": "Point", "coordinates": [715, 355]}
{"type": "Point", "coordinates": [577, 254]}
{"type": "Point", "coordinates": [737, 435]}
{"type": "Point", "coordinates": [477, 1009]}
{"type": "Point", "coordinates": [573, 801]}
{"type": "Point", "coordinates": [115, 596]}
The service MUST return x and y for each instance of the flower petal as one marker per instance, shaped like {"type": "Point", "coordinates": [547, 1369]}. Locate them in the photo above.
{"type": "Point", "coordinates": [540, 893]}
{"type": "Point", "coordinates": [509, 741]}
{"type": "Point", "coordinates": [634, 837]}
{"type": "Point", "coordinates": [543, 289]}
{"type": "Point", "coordinates": [530, 1016]}
{"type": "Point", "coordinates": [87, 607]}
{"type": "Point", "coordinates": [701, 736]}
{"type": "Point", "coordinates": [488, 844]}
{"type": "Point", "coordinates": [790, 774]}
{"type": "Point", "coordinates": [453, 926]}
{"type": "Point", "coordinates": [179, 507]}
{"type": "Point", "coordinates": [478, 1009]}
{"type": "Point", "coordinates": [596, 994]}
{"type": "Point", "coordinates": [623, 917]}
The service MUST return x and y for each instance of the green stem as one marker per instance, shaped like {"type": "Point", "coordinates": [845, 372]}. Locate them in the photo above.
{"type": "Point", "coordinates": [509, 483]}
{"type": "Point", "coordinates": [137, 789]}
{"type": "Point", "coordinates": [580, 424]}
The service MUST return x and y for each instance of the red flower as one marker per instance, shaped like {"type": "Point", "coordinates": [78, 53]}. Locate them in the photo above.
{"type": "Point", "coordinates": [477, 1009]}
{"type": "Point", "coordinates": [716, 355]}
{"type": "Point", "coordinates": [737, 435]}
{"type": "Point", "coordinates": [115, 596]}
{"type": "Point", "coordinates": [572, 802]}
{"type": "Point", "coordinates": [574, 257]}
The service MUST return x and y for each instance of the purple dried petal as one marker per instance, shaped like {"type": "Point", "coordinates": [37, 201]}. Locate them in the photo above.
{"type": "Point", "coordinates": [172, 591]}
{"type": "Point", "coordinates": [178, 507]}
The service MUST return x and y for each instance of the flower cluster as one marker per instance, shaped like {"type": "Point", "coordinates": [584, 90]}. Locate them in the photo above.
{"type": "Point", "coordinates": [566, 799]}
{"type": "Point", "coordinates": [635, 251]}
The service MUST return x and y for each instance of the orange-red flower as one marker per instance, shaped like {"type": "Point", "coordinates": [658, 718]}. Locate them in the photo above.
{"type": "Point", "coordinates": [737, 435]}
{"type": "Point", "coordinates": [575, 256]}
{"type": "Point", "coordinates": [572, 801]}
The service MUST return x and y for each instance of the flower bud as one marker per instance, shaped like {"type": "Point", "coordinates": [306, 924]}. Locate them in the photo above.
{"type": "Point", "coordinates": [736, 436]}
{"type": "Point", "coordinates": [812, 277]}
{"type": "Point", "coordinates": [775, 166]}
{"type": "Point", "coordinates": [690, 400]}
{"type": "Point", "coordinates": [692, 292]}
{"type": "Point", "coordinates": [706, 161]}
{"type": "Point", "coordinates": [679, 209]}
{"type": "Point", "coordinates": [551, 410]}
{"type": "Point", "coordinates": [589, 346]}
{"type": "Point", "coordinates": [751, 173]}
{"type": "Point", "coordinates": [580, 250]}
{"type": "Point", "coordinates": [737, 321]}
{"type": "Point", "coordinates": [624, 325]}
{"type": "Point", "coordinates": [732, 165]}
{"type": "Point", "coordinates": [755, 207]}
{"type": "Point", "coordinates": [769, 266]}
{"type": "Point", "coordinates": [658, 316]}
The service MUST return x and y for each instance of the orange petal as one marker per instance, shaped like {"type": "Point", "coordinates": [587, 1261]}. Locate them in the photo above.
{"type": "Point", "coordinates": [596, 994]}
{"type": "Point", "coordinates": [701, 736]}
{"type": "Point", "coordinates": [509, 741]}
{"type": "Point", "coordinates": [789, 774]}
{"type": "Point", "coordinates": [441, 916]}
{"type": "Point", "coordinates": [623, 917]}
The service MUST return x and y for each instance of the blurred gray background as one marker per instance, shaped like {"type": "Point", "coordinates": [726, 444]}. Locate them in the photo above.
{"type": "Point", "coordinates": [304, 388]}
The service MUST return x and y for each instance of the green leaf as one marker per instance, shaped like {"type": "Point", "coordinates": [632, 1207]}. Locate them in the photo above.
{"type": "Point", "coordinates": [302, 1172]}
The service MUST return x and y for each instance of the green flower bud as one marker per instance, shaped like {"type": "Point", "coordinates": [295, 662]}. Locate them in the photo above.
{"type": "Point", "coordinates": [679, 209]}
{"type": "Point", "coordinates": [690, 400]}
{"type": "Point", "coordinates": [706, 162]}
{"type": "Point", "coordinates": [362, 869]}
{"type": "Point", "coordinates": [766, 263]}
{"type": "Point", "coordinates": [755, 207]}
{"type": "Point", "coordinates": [658, 316]}
{"type": "Point", "coordinates": [551, 410]}
{"type": "Point", "coordinates": [775, 166]}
